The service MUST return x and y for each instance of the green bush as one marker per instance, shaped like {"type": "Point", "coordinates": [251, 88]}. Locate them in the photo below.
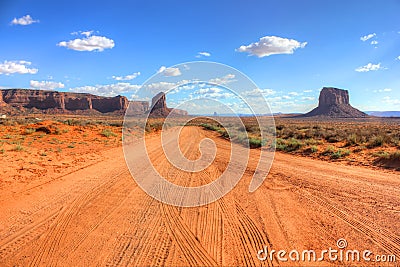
{"type": "Point", "coordinates": [376, 141]}
{"type": "Point", "coordinates": [108, 133]}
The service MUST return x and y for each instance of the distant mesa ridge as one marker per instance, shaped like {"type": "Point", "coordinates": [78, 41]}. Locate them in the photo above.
{"type": "Point", "coordinates": [27, 100]}
{"type": "Point", "coordinates": [334, 103]}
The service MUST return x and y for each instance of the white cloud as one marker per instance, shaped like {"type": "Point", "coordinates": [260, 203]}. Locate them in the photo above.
{"type": "Point", "coordinates": [20, 66]}
{"type": "Point", "coordinates": [46, 85]}
{"type": "Point", "coordinates": [213, 92]}
{"type": "Point", "coordinates": [203, 54]}
{"type": "Point", "coordinates": [391, 101]}
{"type": "Point", "coordinates": [270, 45]}
{"type": "Point", "coordinates": [25, 20]}
{"type": "Point", "coordinates": [374, 42]}
{"type": "Point", "coordinates": [223, 80]}
{"type": "Point", "coordinates": [88, 43]}
{"type": "Point", "coordinates": [307, 98]}
{"type": "Point", "coordinates": [307, 91]}
{"type": "Point", "coordinates": [294, 93]}
{"type": "Point", "coordinates": [256, 92]}
{"type": "Point", "coordinates": [127, 77]}
{"type": "Point", "coordinates": [385, 90]}
{"type": "Point", "coordinates": [169, 71]}
{"type": "Point", "coordinates": [398, 58]}
{"type": "Point", "coordinates": [367, 37]}
{"type": "Point", "coordinates": [107, 89]}
{"type": "Point", "coordinates": [369, 67]}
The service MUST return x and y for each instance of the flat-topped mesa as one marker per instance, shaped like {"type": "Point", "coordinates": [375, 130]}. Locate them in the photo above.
{"type": "Point", "coordinates": [159, 107]}
{"type": "Point", "coordinates": [60, 102]}
{"type": "Point", "coordinates": [334, 103]}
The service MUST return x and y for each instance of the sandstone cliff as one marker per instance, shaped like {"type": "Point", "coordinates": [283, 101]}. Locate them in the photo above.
{"type": "Point", "coordinates": [334, 103]}
{"type": "Point", "coordinates": [159, 107]}
{"type": "Point", "coordinates": [21, 100]}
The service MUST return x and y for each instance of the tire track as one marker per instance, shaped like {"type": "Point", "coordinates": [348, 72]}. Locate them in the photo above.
{"type": "Point", "coordinates": [57, 232]}
{"type": "Point", "coordinates": [384, 239]}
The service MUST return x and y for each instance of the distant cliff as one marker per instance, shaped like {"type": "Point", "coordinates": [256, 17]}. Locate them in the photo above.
{"type": "Point", "coordinates": [64, 102]}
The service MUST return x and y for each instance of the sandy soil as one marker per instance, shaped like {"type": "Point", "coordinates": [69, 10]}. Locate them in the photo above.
{"type": "Point", "coordinates": [97, 215]}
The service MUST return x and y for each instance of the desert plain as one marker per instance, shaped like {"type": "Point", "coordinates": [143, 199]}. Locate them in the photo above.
{"type": "Point", "coordinates": [67, 197]}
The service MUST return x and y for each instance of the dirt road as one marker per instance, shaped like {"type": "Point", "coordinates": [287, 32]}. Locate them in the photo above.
{"type": "Point", "coordinates": [99, 216]}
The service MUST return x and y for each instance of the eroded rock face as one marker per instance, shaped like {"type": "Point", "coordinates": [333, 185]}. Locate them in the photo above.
{"type": "Point", "coordinates": [138, 107]}
{"type": "Point", "coordinates": [159, 107]}
{"type": "Point", "coordinates": [61, 101]}
{"type": "Point", "coordinates": [334, 103]}
{"type": "Point", "coordinates": [333, 96]}
{"type": "Point", "coordinates": [28, 100]}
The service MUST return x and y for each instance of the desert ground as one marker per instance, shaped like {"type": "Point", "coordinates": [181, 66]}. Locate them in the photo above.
{"type": "Point", "coordinates": [67, 198]}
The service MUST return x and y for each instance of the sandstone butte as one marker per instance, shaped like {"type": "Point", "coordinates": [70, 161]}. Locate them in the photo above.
{"type": "Point", "coordinates": [334, 103]}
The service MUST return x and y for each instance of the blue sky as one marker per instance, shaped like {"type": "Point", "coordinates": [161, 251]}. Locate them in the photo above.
{"type": "Point", "coordinates": [290, 49]}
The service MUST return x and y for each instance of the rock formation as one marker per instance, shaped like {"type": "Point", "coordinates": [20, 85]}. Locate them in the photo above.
{"type": "Point", "coordinates": [334, 103]}
{"type": "Point", "coordinates": [159, 107]}
{"type": "Point", "coordinates": [20, 100]}
{"type": "Point", "coordinates": [16, 101]}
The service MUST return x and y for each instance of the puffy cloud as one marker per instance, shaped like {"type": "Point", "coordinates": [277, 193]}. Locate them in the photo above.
{"type": "Point", "coordinates": [398, 58]}
{"type": "Point", "coordinates": [374, 42]}
{"type": "Point", "coordinates": [307, 98]}
{"type": "Point", "coordinates": [88, 43]}
{"type": "Point", "coordinates": [127, 77]}
{"type": "Point", "coordinates": [20, 66]}
{"type": "Point", "coordinates": [169, 71]}
{"type": "Point", "coordinates": [369, 67]}
{"type": "Point", "coordinates": [272, 45]}
{"type": "Point", "coordinates": [203, 54]}
{"type": "Point", "coordinates": [25, 20]}
{"type": "Point", "coordinates": [293, 93]}
{"type": "Point", "coordinates": [107, 89]}
{"type": "Point", "coordinates": [46, 85]}
{"type": "Point", "coordinates": [223, 80]}
{"type": "Point", "coordinates": [367, 37]}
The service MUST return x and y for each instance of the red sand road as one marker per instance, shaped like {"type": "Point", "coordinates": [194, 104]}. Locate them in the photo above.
{"type": "Point", "coordinates": [99, 216]}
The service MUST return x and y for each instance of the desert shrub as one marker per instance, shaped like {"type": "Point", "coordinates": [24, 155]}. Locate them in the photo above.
{"type": "Point", "coordinates": [314, 149]}
{"type": "Point", "coordinates": [280, 144]}
{"type": "Point", "coordinates": [18, 148]}
{"type": "Point", "coordinates": [328, 150]}
{"type": "Point", "coordinates": [210, 127]}
{"type": "Point", "coordinates": [395, 155]}
{"type": "Point", "coordinates": [108, 133]}
{"type": "Point", "coordinates": [312, 141]}
{"type": "Point", "coordinates": [332, 139]}
{"type": "Point", "coordinates": [352, 140]}
{"type": "Point", "coordinates": [30, 130]}
{"type": "Point", "coordinates": [256, 142]}
{"type": "Point", "coordinates": [293, 144]}
{"type": "Point", "coordinates": [376, 141]}
{"type": "Point", "coordinates": [72, 122]}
